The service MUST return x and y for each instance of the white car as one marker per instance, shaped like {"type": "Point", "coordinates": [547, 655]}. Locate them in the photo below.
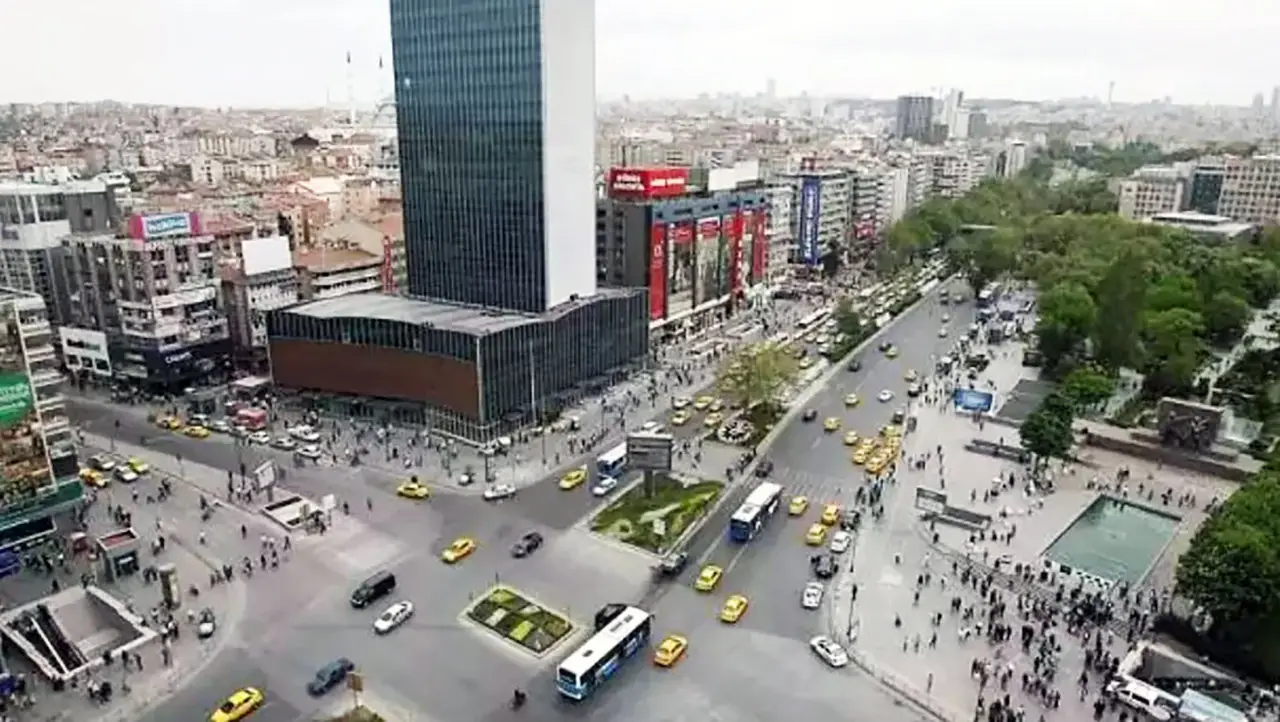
{"type": "Point", "coordinates": [284, 443]}
{"type": "Point", "coordinates": [308, 436]}
{"type": "Point", "coordinates": [499, 491]}
{"type": "Point", "coordinates": [885, 396]}
{"type": "Point", "coordinates": [651, 427]}
{"type": "Point", "coordinates": [681, 402]}
{"type": "Point", "coordinates": [299, 431]}
{"type": "Point", "coordinates": [125, 474]}
{"type": "Point", "coordinates": [830, 652]}
{"type": "Point", "coordinates": [466, 478]}
{"type": "Point", "coordinates": [260, 437]}
{"type": "Point", "coordinates": [811, 598]}
{"type": "Point", "coordinates": [942, 332]}
{"type": "Point", "coordinates": [946, 317]}
{"type": "Point", "coordinates": [309, 451]}
{"type": "Point", "coordinates": [840, 542]}
{"type": "Point", "coordinates": [219, 425]}
{"type": "Point", "coordinates": [394, 616]}
{"type": "Point", "coordinates": [605, 485]}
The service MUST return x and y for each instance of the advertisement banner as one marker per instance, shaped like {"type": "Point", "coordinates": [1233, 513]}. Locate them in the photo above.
{"type": "Point", "coordinates": [24, 462]}
{"type": "Point", "coordinates": [643, 183]}
{"type": "Point", "coordinates": [759, 248]}
{"type": "Point", "coordinates": [163, 225]}
{"type": "Point", "coordinates": [707, 284]}
{"type": "Point", "coordinates": [973, 400]}
{"type": "Point", "coordinates": [810, 208]}
{"type": "Point", "coordinates": [658, 272]}
{"type": "Point", "coordinates": [735, 253]}
{"type": "Point", "coordinates": [680, 268]}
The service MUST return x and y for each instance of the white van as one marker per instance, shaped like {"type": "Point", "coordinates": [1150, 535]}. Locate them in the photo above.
{"type": "Point", "coordinates": [1144, 698]}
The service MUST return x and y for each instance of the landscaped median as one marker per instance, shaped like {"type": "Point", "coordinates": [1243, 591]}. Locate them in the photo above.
{"type": "Point", "coordinates": [359, 714]}
{"type": "Point", "coordinates": [509, 614]}
{"type": "Point", "coordinates": [654, 518]}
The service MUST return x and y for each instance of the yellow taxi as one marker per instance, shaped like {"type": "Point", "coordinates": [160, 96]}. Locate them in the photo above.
{"type": "Point", "coordinates": [412, 489]}
{"type": "Point", "coordinates": [573, 478]}
{"type": "Point", "coordinates": [708, 578]}
{"type": "Point", "coordinates": [797, 506]}
{"type": "Point", "coordinates": [196, 432]}
{"type": "Point", "coordinates": [861, 455]}
{"type": "Point", "coordinates": [93, 477]}
{"type": "Point", "coordinates": [892, 352]}
{"type": "Point", "coordinates": [458, 550]}
{"type": "Point", "coordinates": [868, 443]}
{"type": "Point", "coordinates": [670, 650]}
{"type": "Point", "coordinates": [851, 438]}
{"type": "Point", "coordinates": [890, 431]}
{"type": "Point", "coordinates": [876, 465]}
{"type": "Point", "coordinates": [830, 514]}
{"type": "Point", "coordinates": [806, 362]}
{"type": "Point", "coordinates": [831, 424]}
{"type": "Point", "coordinates": [733, 609]}
{"type": "Point", "coordinates": [713, 420]}
{"type": "Point", "coordinates": [680, 418]}
{"type": "Point", "coordinates": [816, 535]}
{"type": "Point", "coordinates": [852, 400]}
{"type": "Point", "coordinates": [171, 423]}
{"type": "Point", "coordinates": [703, 402]}
{"type": "Point", "coordinates": [717, 405]}
{"type": "Point", "coordinates": [138, 466]}
{"type": "Point", "coordinates": [238, 706]}
{"type": "Point", "coordinates": [911, 376]}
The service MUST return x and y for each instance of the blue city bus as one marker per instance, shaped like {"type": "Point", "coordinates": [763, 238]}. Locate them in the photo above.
{"type": "Point", "coordinates": [613, 461]}
{"type": "Point", "coordinates": [749, 519]}
{"type": "Point", "coordinates": [600, 657]}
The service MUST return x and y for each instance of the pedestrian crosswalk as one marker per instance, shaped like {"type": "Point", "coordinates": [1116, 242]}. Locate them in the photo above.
{"type": "Point", "coordinates": [351, 548]}
{"type": "Point", "coordinates": [833, 488]}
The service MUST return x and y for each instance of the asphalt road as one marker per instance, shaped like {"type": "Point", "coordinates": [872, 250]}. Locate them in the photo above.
{"type": "Point", "coordinates": [754, 670]}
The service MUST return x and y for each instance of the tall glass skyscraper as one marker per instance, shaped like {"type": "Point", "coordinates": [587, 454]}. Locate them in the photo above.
{"type": "Point", "coordinates": [495, 102]}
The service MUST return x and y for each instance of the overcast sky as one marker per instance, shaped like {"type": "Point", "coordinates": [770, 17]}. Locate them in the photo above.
{"type": "Point", "coordinates": [292, 52]}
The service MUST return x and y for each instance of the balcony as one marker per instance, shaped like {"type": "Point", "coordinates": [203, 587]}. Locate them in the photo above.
{"type": "Point", "coordinates": [42, 353]}
{"type": "Point", "coordinates": [45, 377]}
{"type": "Point", "coordinates": [35, 328]}
{"type": "Point", "coordinates": [54, 424]}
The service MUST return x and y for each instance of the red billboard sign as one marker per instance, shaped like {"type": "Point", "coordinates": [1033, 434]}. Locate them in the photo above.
{"type": "Point", "coordinates": [657, 272]}
{"type": "Point", "coordinates": [682, 233]}
{"type": "Point", "coordinates": [759, 247]}
{"type": "Point", "coordinates": [735, 253]}
{"type": "Point", "coordinates": [708, 228]}
{"type": "Point", "coordinates": [638, 183]}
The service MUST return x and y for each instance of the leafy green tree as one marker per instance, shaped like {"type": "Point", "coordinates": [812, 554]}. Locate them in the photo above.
{"type": "Point", "coordinates": [1175, 290]}
{"type": "Point", "coordinates": [847, 320]}
{"type": "Point", "coordinates": [1226, 316]}
{"type": "Point", "coordinates": [757, 374]}
{"type": "Point", "coordinates": [908, 236]}
{"type": "Point", "coordinates": [1046, 432]}
{"type": "Point", "coordinates": [1173, 347]}
{"type": "Point", "coordinates": [985, 256]}
{"type": "Point", "coordinates": [1122, 294]}
{"type": "Point", "coordinates": [1088, 386]}
{"type": "Point", "coordinates": [1067, 317]}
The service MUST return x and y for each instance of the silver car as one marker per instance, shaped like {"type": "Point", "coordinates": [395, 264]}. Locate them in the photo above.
{"type": "Point", "coordinates": [830, 652]}
{"type": "Point", "coordinates": [811, 598]}
{"type": "Point", "coordinates": [393, 617]}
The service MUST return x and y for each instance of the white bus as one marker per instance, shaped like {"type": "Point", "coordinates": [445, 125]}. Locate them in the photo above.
{"type": "Point", "coordinates": [613, 461]}
{"type": "Point", "coordinates": [761, 503]}
{"type": "Point", "coordinates": [600, 657]}
{"type": "Point", "coordinates": [814, 319]}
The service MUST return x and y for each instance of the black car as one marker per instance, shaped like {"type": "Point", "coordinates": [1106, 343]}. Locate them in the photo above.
{"type": "Point", "coordinates": [527, 545]}
{"type": "Point", "coordinates": [330, 676]}
{"type": "Point", "coordinates": [809, 415]}
{"type": "Point", "coordinates": [885, 345]}
{"type": "Point", "coordinates": [855, 365]}
{"type": "Point", "coordinates": [673, 564]}
{"type": "Point", "coordinates": [824, 566]}
{"type": "Point", "coordinates": [764, 468]}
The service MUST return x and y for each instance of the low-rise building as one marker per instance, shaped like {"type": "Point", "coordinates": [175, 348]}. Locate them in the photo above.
{"type": "Point", "coordinates": [263, 279]}
{"type": "Point", "coordinates": [331, 271]}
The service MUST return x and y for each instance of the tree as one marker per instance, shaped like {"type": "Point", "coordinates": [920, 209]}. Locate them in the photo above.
{"type": "Point", "coordinates": [847, 320]}
{"type": "Point", "coordinates": [1087, 387]}
{"type": "Point", "coordinates": [1046, 432]}
{"type": "Point", "coordinates": [1122, 293]}
{"type": "Point", "coordinates": [984, 256]}
{"type": "Point", "coordinates": [1226, 316]}
{"type": "Point", "coordinates": [1067, 316]}
{"type": "Point", "coordinates": [757, 374]}
{"type": "Point", "coordinates": [1173, 346]}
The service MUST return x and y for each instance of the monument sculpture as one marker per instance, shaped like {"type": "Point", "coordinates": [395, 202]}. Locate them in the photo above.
{"type": "Point", "coordinates": [1188, 426]}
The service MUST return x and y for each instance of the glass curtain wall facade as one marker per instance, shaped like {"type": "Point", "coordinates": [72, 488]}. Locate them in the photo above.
{"type": "Point", "coordinates": [468, 79]}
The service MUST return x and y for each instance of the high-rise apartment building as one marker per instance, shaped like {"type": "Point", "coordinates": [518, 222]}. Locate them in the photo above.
{"type": "Point", "coordinates": [1151, 191]}
{"type": "Point", "coordinates": [915, 118]}
{"type": "Point", "coordinates": [496, 116]}
{"type": "Point", "coordinates": [1251, 189]}
{"type": "Point", "coordinates": [821, 215]}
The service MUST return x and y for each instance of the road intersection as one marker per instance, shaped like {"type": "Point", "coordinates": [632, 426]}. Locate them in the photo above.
{"type": "Point", "coordinates": [760, 669]}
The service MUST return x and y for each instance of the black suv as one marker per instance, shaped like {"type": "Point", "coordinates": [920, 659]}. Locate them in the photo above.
{"type": "Point", "coordinates": [885, 345]}
{"type": "Point", "coordinates": [672, 565]}
{"type": "Point", "coordinates": [330, 676]}
{"type": "Point", "coordinates": [824, 566]}
{"type": "Point", "coordinates": [764, 468]}
{"type": "Point", "coordinates": [527, 545]}
{"type": "Point", "coordinates": [855, 365]}
{"type": "Point", "coordinates": [809, 415]}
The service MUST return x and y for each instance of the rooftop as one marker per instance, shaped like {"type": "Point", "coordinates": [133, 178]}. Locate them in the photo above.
{"type": "Point", "coordinates": [333, 259]}
{"type": "Point", "coordinates": [1202, 222]}
{"type": "Point", "coordinates": [472, 320]}
{"type": "Point", "coordinates": [22, 188]}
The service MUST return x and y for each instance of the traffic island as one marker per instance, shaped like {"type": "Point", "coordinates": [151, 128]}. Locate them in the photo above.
{"type": "Point", "coordinates": [359, 714]}
{"type": "Point", "coordinates": [512, 616]}
{"type": "Point", "coordinates": [653, 517]}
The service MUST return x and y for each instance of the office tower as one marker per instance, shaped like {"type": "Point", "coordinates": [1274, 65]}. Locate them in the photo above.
{"type": "Point", "coordinates": [915, 118]}
{"type": "Point", "coordinates": [951, 107]}
{"type": "Point", "coordinates": [1275, 103]}
{"type": "Point", "coordinates": [496, 120]}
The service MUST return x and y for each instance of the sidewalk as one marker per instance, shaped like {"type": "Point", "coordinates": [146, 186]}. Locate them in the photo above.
{"type": "Point", "coordinates": [193, 562]}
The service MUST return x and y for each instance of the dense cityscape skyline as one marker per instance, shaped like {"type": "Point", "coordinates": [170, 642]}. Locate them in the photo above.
{"type": "Point", "coordinates": [824, 49]}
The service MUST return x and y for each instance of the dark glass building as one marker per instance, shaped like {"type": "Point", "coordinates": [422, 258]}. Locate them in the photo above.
{"type": "Point", "coordinates": [495, 103]}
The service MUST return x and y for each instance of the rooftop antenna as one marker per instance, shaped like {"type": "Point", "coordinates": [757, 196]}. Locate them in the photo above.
{"type": "Point", "coordinates": [351, 93]}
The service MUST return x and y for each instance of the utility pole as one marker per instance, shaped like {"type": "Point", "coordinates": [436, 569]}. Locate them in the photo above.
{"type": "Point", "coordinates": [533, 401]}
